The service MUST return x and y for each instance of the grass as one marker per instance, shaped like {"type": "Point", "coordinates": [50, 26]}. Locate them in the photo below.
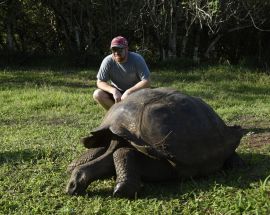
{"type": "Point", "coordinates": [44, 113]}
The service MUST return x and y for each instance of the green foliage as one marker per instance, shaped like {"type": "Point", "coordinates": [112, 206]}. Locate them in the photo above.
{"type": "Point", "coordinates": [44, 113]}
{"type": "Point", "coordinates": [212, 29]}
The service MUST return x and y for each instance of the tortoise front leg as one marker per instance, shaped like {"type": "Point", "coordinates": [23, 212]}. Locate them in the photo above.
{"type": "Point", "coordinates": [234, 161]}
{"type": "Point", "coordinates": [89, 155]}
{"type": "Point", "coordinates": [99, 168]}
{"type": "Point", "coordinates": [127, 173]}
{"type": "Point", "coordinates": [132, 167]}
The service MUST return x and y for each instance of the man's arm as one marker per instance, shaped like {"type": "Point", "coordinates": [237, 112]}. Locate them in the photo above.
{"type": "Point", "coordinates": [145, 83]}
{"type": "Point", "coordinates": [105, 86]}
{"type": "Point", "coordinates": [108, 88]}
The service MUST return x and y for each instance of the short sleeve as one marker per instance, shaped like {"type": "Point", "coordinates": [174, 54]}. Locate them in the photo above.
{"type": "Point", "coordinates": [142, 68]}
{"type": "Point", "coordinates": [103, 73]}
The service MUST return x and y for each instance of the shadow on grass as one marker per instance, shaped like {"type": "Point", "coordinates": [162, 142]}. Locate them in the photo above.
{"type": "Point", "coordinates": [18, 79]}
{"type": "Point", "coordinates": [248, 91]}
{"type": "Point", "coordinates": [105, 192]}
{"type": "Point", "coordinates": [26, 155]}
{"type": "Point", "coordinates": [256, 130]}
{"type": "Point", "coordinates": [258, 168]}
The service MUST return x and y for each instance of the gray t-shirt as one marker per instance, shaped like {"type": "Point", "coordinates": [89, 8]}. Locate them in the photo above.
{"type": "Point", "coordinates": [123, 75]}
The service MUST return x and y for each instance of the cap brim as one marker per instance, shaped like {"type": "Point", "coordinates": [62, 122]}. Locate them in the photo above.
{"type": "Point", "coordinates": [117, 46]}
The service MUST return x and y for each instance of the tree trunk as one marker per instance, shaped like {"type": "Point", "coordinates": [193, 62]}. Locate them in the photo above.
{"type": "Point", "coordinates": [77, 38]}
{"type": "Point", "coordinates": [211, 47]}
{"type": "Point", "coordinates": [10, 38]}
{"type": "Point", "coordinates": [173, 30]}
{"type": "Point", "coordinates": [196, 58]}
{"type": "Point", "coordinates": [184, 46]}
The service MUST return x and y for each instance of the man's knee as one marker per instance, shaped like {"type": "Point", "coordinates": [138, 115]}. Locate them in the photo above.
{"type": "Point", "coordinates": [97, 95]}
{"type": "Point", "coordinates": [100, 95]}
{"type": "Point", "coordinates": [103, 98]}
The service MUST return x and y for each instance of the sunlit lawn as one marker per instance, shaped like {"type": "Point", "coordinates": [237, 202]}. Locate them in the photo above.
{"type": "Point", "coordinates": [44, 113]}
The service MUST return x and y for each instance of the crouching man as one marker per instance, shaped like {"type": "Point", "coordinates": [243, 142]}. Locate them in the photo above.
{"type": "Point", "coordinates": [120, 74]}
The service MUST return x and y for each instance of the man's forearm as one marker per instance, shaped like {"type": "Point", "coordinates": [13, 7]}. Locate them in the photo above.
{"type": "Point", "coordinates": [140, 85]}
{"type": "Point", "coordinates": [105, 86]}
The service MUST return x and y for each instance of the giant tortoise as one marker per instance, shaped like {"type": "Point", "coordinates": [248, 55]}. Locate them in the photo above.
{"type": "Point", "coordinates": [155, 135]}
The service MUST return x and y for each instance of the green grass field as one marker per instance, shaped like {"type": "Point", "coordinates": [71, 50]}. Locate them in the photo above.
{"type": "Point", "coordinates": [44, 113]}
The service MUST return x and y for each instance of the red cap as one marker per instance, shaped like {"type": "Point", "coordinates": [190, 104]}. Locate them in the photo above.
{"type": "Point", "coordinates": [119, 42]}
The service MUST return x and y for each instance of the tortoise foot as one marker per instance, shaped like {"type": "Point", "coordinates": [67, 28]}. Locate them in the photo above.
{"type": "Point", "coordinates": [234, 161]}
{"type": "Point", "coordinates": [125, 190]}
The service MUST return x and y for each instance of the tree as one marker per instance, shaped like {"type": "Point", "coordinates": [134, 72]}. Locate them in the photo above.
{"type": "Point", "coordinates": [159, 29]}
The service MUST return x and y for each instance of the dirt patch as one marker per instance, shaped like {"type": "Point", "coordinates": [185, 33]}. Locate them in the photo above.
{"type": "Point", "coordinates": [256, 130]}
{"type": "Point", "coordinates": [257, 140]}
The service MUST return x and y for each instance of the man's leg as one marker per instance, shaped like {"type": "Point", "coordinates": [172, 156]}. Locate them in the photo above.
{"type": "Point", "coordinates": [103, 98]}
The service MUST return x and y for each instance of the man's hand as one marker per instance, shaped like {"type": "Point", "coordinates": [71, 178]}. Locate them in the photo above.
{"type": "Point", "coordinates": [125, 94]}
{"type": "Point", "coordinates": [140, 85]}
{"type": "Point", "coordinates": [116, 95]}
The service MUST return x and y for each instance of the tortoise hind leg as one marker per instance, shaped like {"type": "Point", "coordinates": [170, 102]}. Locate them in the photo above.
{"type": "Point", "coordinates": [234, 161]}
{"type": "Point", "coordinates": [132, 167]}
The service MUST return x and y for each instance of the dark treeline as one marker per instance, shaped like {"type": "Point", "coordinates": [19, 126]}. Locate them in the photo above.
{"type": "Point", "coordinates": [216, 30]}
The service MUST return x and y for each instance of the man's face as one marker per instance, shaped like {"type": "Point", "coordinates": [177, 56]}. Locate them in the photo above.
{"type": "Point", "coordinates": [119, 54]}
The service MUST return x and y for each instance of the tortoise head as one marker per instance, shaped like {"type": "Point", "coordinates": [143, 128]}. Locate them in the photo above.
{"type": "Point", "coordinates": [78, 183]}
{"type": "Point", "coordinates": [97, 138]}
